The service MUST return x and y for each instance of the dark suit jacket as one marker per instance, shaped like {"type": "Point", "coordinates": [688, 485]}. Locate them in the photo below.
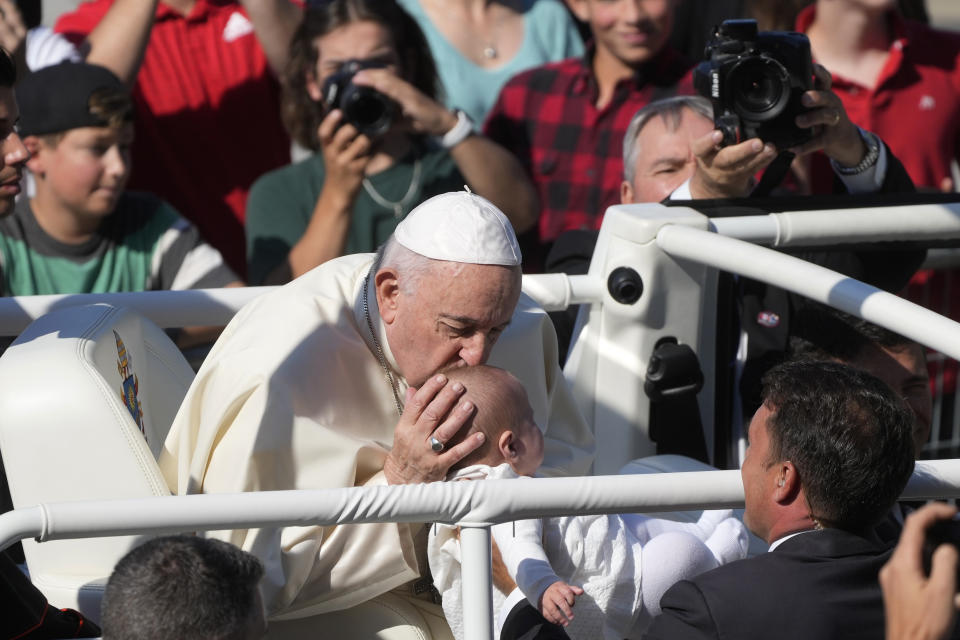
{"type": "Point", "coordinates": [819, 584]}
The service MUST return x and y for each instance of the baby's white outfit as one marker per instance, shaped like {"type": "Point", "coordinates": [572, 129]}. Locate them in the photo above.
{"type": "Point", "coordinates": [624, 563]}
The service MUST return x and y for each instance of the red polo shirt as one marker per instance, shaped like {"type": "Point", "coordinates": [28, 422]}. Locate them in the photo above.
{"type": "Point", "coordinates": [207, 115]}
{"type": "Point", "coordinates": [915, 105]}
{"type": "Point", "coordinates": [915, 108]}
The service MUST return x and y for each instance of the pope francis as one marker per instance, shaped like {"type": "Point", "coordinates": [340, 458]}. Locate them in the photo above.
{"type": "Point", "coordinates": [331, 381]}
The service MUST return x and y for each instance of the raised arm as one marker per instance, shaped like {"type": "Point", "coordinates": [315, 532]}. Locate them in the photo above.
{"type": "Point", "coordinates": [120, 38]}
{"type": "Point", "coordinates": [274, 22]}
{"type": "Point", "coordinates": [490, 170]}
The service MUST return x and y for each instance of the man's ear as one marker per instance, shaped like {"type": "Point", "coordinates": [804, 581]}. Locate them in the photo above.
{"type": "Point", "coordinates": [35, 162]}
{"type": "Point", "coordinates": [626, 193]}
{"type": "Point", "coordinates": [787, 482]}
{"type": "Point", "coordinates": [387, 288]}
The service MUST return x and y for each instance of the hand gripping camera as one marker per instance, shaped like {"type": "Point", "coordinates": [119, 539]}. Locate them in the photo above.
{"type": "Point", "coordinates": [365, 108]}
{"type": "Point", "coordinates": [755, 81]}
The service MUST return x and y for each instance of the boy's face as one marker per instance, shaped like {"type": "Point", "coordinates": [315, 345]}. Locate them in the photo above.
{"type": "Point", "coordinates": [631, 31]}
{"type": "Point", "coordinates": [13, 153]}
{"type": "Point", "coordinates": [87, 170]}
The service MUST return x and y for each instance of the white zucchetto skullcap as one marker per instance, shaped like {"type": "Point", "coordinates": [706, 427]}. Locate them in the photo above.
{"type": "Point", "coordinates": [460, 227]}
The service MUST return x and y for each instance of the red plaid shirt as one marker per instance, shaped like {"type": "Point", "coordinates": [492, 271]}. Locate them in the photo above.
{"type": "Point", "coordinates": [573, 151]}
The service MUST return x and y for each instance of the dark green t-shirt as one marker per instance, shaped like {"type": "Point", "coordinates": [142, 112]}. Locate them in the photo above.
{"type": "Point", "coordinates": [281, 203]}
{"type": "Point", "coordinates": [143, 245]}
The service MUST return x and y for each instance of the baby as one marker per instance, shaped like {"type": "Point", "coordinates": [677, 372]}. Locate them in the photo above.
{"type": "Point", "coordinates": [614, 567]}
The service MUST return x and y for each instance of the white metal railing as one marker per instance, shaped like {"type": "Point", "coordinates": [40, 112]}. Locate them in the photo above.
{"type": "Point", "coordinates": [815, 282]}
{"type": "Point", "coordinates": [472, 505]}
{"type": "Point", "coordinates": [826, 226]}
{"type": "Point", "coordinates": [168, 309]}
{"type": "Point", "coordinates": [214, 307]}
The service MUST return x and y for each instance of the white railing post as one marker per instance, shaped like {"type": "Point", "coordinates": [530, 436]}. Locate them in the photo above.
{"type": "Point", "coordinates": [477, 594]}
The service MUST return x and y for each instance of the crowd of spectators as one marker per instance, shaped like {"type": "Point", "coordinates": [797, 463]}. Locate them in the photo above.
{"type": "Point", "coordinates": [548, 112]}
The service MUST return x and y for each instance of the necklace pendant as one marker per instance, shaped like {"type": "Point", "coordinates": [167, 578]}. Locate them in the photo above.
{"type": "Point", "coordinates": [397, 211]}
{"type": "Point", "coordinates": [489, 52]}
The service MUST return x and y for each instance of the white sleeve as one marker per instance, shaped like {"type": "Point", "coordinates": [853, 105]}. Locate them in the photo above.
{"type": "Point", "coordinates": [46, 47]}
{"type": "Point", "coordinates": [521, 547]}
{"type": "Point", "coordinates": [869, 180]}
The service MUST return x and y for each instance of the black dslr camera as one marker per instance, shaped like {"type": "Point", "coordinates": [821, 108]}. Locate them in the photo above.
{"type": "Point", "coordinates": [365, 108]}
{"type": "Point", "coordinates": [755, 81]}
{"type": "Point", "coordinates": [940, 532]}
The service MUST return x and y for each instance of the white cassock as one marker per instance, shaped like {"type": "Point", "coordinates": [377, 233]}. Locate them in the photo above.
{"type": "Point", "coordinates": [292, 396]}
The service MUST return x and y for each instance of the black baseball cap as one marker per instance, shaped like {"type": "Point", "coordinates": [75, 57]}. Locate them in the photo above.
{"type": "Point", "coordinates": [57, 98]}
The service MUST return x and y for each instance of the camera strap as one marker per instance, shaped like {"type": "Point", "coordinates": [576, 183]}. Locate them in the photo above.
{"type": "Point", "coordinates": [773, 175]}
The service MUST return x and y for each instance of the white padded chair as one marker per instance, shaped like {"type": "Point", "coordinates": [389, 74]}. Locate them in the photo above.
{"type": "Point", "coordinates": [87, 395]}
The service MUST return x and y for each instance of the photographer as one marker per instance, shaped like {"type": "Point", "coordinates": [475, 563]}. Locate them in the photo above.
{"type": "Point", "coordinates": [920, 606]}
{"type": "Point", "coordinates": [361, 91]}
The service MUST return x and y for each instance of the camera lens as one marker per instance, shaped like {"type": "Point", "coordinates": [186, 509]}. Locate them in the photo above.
{"type": "Point", "coordinates": [760, 88]}
{"type": "Point", "coordinates": [368, 110]}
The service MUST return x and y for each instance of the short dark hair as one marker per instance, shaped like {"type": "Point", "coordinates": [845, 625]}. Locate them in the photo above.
{"type": "Point", "coordinates": [8, 69]}
{"type": "Point", "coordinates": [848, 436]}
{"type": "Point", "coordinates": [181, 587]}
{"type": "Point", "coordinates": [301, 115]}
{"type": "Point", "coordinates": [823, 333]}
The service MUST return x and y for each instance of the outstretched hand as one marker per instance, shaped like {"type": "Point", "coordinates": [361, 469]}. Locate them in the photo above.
{"type": "Point", "coordinates": [434, 410]}
{"type": "Point", "coordinates": [556, 603]}
{"type": "Point", "coordinates": [727, 172]}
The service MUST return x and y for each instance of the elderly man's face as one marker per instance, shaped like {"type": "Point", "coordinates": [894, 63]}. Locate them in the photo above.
{"type": "Point", "coordinates": [664, 157]}
{"type": "Point", "coordinates": [758, 473]}
{"type": "Point", "coordinates": [452, 318]}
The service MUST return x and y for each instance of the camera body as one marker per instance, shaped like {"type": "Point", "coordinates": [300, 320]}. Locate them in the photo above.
{"type": "Point", "coordinates": [755, 81]}
{"type": "Point", "coordinates": [940, 532]}
{"type": "Point", "coordinates": [365, 108]}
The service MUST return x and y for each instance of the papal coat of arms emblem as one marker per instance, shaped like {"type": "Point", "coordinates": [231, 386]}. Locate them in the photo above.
{"type": "Point", "coordinates": [131, 386]}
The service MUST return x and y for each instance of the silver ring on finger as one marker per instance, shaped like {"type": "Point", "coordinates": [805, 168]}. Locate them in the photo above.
{"type": "Point", "coordinates": [435, 444]}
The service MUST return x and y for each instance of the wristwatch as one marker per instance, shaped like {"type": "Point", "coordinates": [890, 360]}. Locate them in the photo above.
{"type": "Point", "coordinates": [459, 132]}
{"type": "Point", "coordinates": [872, 143]}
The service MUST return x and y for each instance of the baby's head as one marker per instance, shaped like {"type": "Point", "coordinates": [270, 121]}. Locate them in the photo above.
{"type": "Point", "coordinates": [505, 417]}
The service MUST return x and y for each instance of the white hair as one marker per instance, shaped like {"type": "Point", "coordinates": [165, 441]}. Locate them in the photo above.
{"type": "Point", "coordinates": [409, 265]}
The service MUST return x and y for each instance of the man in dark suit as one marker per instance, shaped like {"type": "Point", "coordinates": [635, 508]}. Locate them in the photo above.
{"type": "Point", "coordinates": [830, 451]}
